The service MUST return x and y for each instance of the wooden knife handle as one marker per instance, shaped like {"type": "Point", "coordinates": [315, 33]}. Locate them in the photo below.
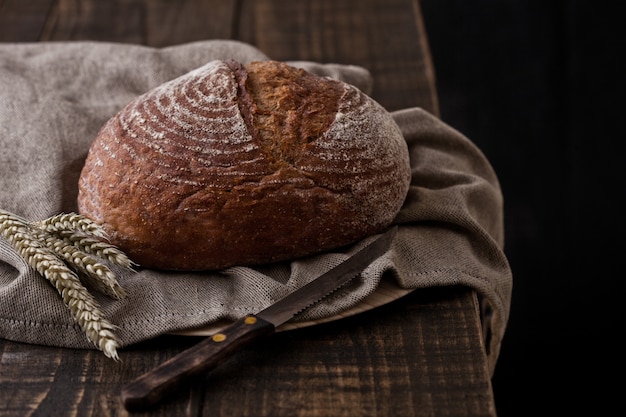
{"type": "Point", "coordinates": [147, 390]}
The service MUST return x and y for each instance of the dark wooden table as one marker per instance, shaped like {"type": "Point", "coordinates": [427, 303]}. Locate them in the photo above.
{"type": "Point", "coordinates": [420, 355]}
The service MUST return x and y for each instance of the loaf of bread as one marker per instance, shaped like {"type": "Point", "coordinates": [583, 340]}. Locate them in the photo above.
{"type": "Point", "coordinates": [244, 165]}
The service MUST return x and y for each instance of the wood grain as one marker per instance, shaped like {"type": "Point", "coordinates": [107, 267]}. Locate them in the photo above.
{"type": "Point", "coordinates": [392, 361]}
{"type": "Point", "coordinates": [23, 21]}
{"type": "Point", "coordinates": [350, 32]}
{"type": "Point", "coordinates": [338, 31]}
{"type": "Point", "coordinates": [148, 22]}
{"type": "Point", "coordinates": [420, 355]}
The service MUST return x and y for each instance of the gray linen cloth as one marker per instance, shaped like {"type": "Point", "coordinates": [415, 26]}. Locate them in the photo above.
{"type": "Point", "coordinates": [54, 97]}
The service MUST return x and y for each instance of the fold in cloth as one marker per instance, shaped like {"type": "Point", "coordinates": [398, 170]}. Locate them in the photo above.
{"type": "Point", "coordinates": [54, 97]}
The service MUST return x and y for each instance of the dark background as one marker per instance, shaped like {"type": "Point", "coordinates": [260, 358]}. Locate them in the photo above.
{"type": "Point", "coordinates": [538, 86]}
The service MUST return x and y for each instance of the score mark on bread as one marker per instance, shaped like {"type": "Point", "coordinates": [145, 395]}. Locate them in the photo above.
{"type": "Point", "coordinates": [244, 165]}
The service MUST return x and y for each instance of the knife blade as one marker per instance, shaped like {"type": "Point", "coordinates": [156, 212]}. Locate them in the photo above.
{"type": "Point", "coordinates": [150, 388]}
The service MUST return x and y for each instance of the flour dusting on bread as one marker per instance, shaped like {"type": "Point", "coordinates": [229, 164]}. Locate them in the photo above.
{"type": "Point", "coordinates": [236, 164]}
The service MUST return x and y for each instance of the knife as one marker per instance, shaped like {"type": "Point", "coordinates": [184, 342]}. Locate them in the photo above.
{"type": "Point", "coordinates": [150, 388]}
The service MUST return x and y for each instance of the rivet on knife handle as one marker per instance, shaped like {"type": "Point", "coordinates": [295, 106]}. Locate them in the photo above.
{"type": "Point", "coordinates": [149, 389]}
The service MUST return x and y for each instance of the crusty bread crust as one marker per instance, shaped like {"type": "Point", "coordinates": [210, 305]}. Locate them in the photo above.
{"type": "Point", "coordinates": [232, 165]}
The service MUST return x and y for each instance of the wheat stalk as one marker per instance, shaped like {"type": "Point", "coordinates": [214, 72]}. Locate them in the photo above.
{"type": "Point", "coordinates": [63, 249]}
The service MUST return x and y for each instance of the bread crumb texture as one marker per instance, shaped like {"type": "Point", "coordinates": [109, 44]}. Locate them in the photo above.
{"type": "Point", "coordinates": [244, 165]}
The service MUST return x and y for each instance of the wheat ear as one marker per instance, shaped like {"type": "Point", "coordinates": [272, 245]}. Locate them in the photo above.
{"type": "Point", "coordinates": [61, 242]}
